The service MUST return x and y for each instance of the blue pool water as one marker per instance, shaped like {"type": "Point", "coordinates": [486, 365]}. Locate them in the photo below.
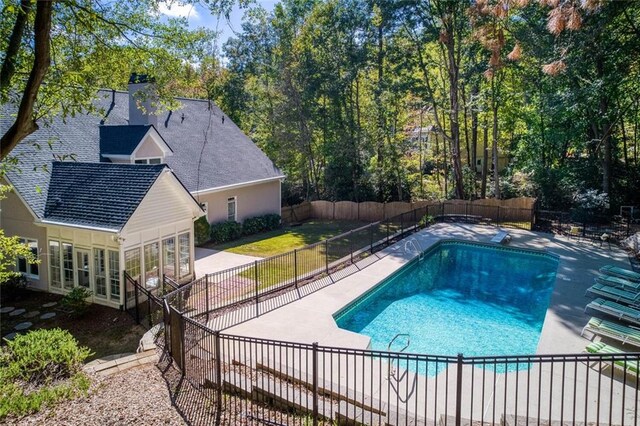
{"type": "Point", "coordinates": [460, 298]}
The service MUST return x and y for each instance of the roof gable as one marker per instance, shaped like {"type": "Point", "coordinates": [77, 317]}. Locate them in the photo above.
{"type": "Point", "coordinates": [126, 140]}
{"type": "Point", "coordinates": [102, 195]}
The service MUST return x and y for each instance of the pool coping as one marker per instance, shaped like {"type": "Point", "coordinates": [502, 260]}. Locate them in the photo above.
{"type": "Point", "coordinates": [311, 319]}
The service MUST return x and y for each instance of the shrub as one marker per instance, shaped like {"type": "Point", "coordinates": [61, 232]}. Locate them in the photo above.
{"type": "Point", "coordinates": [225, 231]}
{"type": "Point", "coordinates": [14, 287]}
{"type": "Point", "coordinates": [202, 230]}
{"type": "Point", "coordinates": [40, 368]}
{"type": "Point", "coordinates": [76, 301]}
{"type": "Point", "coordinates": [272, 221]}
{"type": "Point", "coordinates": [253, 225]}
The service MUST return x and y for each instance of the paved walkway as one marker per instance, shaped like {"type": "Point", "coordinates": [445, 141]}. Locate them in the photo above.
{"type": "Point", "coordinates": [209, 261]}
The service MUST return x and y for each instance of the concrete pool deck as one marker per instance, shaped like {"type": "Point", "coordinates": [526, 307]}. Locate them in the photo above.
{"type": "Point", "coordinates": [310, 319]}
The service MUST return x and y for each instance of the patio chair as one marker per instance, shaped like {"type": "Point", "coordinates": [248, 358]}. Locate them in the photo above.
{"type": "Point", "coordinates": [616, 271]}
{"type": "Point", "coordinates": [614, 293]}
{"type": "Point", "coordinates": [630, 366]}
{"type": "Point", "coordinates": [622, 312]}
{"type": "Point", "coordinates": [617, 282]}
{"type": "Point", "coordinates": [613, 330]}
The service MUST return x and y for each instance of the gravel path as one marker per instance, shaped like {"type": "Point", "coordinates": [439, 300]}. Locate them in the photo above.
{"type": "Point", "coordinates": [135, 397]}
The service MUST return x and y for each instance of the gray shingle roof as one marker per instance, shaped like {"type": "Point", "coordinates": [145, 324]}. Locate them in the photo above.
{"type": "Point", "coordinates": [97, 194]}
{"type": "Point", "coordinates": [228, 157]}
{"type": "Point", "coordinates": [121, 140]}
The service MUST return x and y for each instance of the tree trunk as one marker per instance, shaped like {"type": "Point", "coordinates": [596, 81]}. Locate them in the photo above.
{"type": "Point", "coordinates": [474, 138]}
{"type": "Point", "coordinates": [485, 160]}
{"type": "Point", "coordinates": [465, 106]}
{"type": "Point", "coordinates": [453, 114]}
{"type": "Point", "coordinates": [25, 123]}
{"type": "Point", "coordinates": [13, 48]}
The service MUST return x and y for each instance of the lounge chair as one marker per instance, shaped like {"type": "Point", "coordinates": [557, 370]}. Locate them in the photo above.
{"type": "Point", "coordinates": [617, 282]}
{"type": "Point", "coordinates": [631, 366]}
{"type": "Point", "coordinates": [622, 312]}
{"type": "Point", "coordinates": [621, 272]}
{"type": "Point", "coordinates": [615, 293]}
{"type": "Point", "coordinates": [613, 330]}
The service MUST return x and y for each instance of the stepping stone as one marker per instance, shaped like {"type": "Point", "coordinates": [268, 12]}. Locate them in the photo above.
{"type": "Point", "coordinates": [32, 314]}
{"type": "Point", "coordinates": [23, 326]}
{"type": "Point", "coordinates": [49, 305]}
{"type": "Point", "coordinates": [48, 315]}
{"type": "Point", "coordinates": [6, 309]}
{"type": "Point", "coordinates": [10, 336]}
{"type": "Point", "coordinates": [17, 312]}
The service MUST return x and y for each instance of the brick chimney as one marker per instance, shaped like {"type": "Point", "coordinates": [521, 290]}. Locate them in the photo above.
{"type": "Point", "coordinates": [143, 100]}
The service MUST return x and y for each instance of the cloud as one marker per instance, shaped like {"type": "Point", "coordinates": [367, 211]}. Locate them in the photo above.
{"type": "Point", "coordinates": [175, 9]}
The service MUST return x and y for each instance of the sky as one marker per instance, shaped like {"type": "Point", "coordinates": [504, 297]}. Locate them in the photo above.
{"type": "Point", "coordinates": [200, 16]}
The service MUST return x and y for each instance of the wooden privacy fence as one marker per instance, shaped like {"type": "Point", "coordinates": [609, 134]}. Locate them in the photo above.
{"type": "Point", "coordinates": [514, 209]}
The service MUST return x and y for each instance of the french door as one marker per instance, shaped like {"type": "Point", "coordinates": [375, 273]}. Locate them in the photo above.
{"type": "Point", "coordinates": [83, 268]}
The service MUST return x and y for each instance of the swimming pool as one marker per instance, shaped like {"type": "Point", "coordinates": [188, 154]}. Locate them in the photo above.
{"type": "Point", "coordinates": [469, 298]}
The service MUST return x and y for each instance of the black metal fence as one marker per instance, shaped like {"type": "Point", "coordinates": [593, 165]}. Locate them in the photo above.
{"type": "Point", "coordinates": [615, 228]}
{"type": "Point", "coordinates": [237, 294]}
{"type": "Point", "coordinates": [145, 304]}
{"type": "Point", "coordinates": [247, 380]}
{"type": "Point", "coordinates": [228, 379]}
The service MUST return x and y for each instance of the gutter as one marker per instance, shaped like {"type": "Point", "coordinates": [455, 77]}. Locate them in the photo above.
{"type": "Point", "coordinates": [236, 185]}
{"type": "Point", "coordinates": [72, 225]}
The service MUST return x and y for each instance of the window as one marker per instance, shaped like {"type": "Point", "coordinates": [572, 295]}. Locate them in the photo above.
{"type": "Point", "coordinates": [149, 161]}
{"type": "Point", "coordinates": [132, 266]}
{"type": "Point", "coordinates": [82, 265]}
{"type": "Point", "coordinates": [169, 257]}
{"type": "Point", "coordinates": [114, 273]}
{"type": "Point", "coordinates": [30, 270]}
{"type": "Point", "coordinates": [231, 208]}
{"type": "Point", "coordinates": [151, 261]}
{"type": "Point", "coordinates": [100, 272]}
{"type": "Point", "coordinates": [67, 265]}
{"type": "Point", "coordinates": [54, 264]}
{"type": "Point", "coordinates": [185, 254]}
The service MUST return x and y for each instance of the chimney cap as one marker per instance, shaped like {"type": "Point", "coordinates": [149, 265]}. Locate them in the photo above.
{"type": "Point", "coordinates": [141, 78]}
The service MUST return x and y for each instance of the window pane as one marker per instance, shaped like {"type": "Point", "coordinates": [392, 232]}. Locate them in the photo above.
{"type": "Point", "coordinates": [169, 257]}
{"type": "Point", "coordinates": [67, 265]}
{"type": "Point", "coordinates": [231, 209]}
{"type": "Point", "coordinates": [114, 273]}
{"type": "Point", "coordinates": [140, 161]}
{"type": "Point", "coordinates": [82, 263]}
{"type": "Point", "coordinates": [100, 272]}
{"type": "Point", "coordinates": [54, 264]}
{"type": "Point", "coordinates": [151, 261]}
{"type": "Point", "coordinates": [185, 254]}
{"type": "Point", "coordinates": [33, 268]}
{"type": "Point", "coordinates": [154, 161]}
{"type": "Point", "coordinates": [132, 266]}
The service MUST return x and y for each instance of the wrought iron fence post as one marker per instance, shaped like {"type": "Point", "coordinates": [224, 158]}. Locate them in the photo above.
{"type": "Point", "coordinates": [401, 225]}
{"type": "Point", "coordinates": [459, 389]}
{"type": "Point", "coordinates": [135, 295]}
{"type": "Point", "coordinates": [182, 345]}
{"type": "Point", "coordinates": [351, 245]}
{"type": "Point", "coordinates": [314, 363]}
{"type": "Point", "coordinates": [206, 293]}
{"type": "Point", "coordinates": [295, 267]}
{"type": "Point", "coordinates": [255, 276]}
{"type": "Point", "coordinates": [218, 374]}
{"type": "Point", "coordinates": [326, 255]}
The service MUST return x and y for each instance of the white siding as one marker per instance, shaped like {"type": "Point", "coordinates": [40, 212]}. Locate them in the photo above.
{"type": "Point", "coordinates": [166, 203]}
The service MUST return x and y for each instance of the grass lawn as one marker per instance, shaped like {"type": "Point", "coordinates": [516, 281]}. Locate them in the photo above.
{"type": "Point", "coordinates": [286, 239]}
{"type": "Point", "coordinates": [106, 331]}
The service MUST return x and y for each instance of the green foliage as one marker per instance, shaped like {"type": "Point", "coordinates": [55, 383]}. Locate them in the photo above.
{"type": "Point", "coordinates": [254, 225]}
{"type": "Point", "coordinates": [40, 369]}
{"type": "Point", "coordinates": [76, 301]}
{"type": "Point", "coordinates": [14, 287]}
{"type": "Point", "coordinates": [225, 231]}
{"type": "Point", "coordinates": [202, 230]}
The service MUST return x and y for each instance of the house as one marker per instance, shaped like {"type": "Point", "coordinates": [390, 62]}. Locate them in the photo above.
{"type": "Point", "coordinates": [101, 193]}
